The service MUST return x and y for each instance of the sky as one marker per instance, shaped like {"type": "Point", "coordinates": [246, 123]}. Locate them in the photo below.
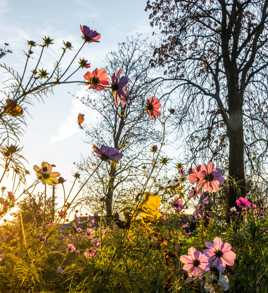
{"type": "Point", "coordinates": [52, 133]}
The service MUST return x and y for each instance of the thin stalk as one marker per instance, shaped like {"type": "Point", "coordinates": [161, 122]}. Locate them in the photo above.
{"type": "Point", "coordinates": [72, 61]}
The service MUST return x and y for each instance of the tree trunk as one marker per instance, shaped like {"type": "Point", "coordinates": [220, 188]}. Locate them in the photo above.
{"type": "Point", "coordinates": [236, 148]}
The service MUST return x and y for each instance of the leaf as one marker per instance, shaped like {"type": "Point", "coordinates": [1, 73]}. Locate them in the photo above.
{"type": "Point", "coordinates": [80, 119]}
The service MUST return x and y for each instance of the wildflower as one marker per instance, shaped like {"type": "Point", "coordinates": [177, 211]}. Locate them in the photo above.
{"type": "Point", "coordinates": [107, 153]}
{"type": "Point", "coordinates": [195, 263]}
{"type": "Point", "coordinates": [62, 213]}
{"type": "Point", "coordinates": [67, 45]}
{"type": "Point", "coordinates": [154, 148]}
{"type": "Point", "coordinates": [90, 233]}
{"type": "Point", "coordinates": [180, 168]}
{"type": "Point", "coordinates": [220, 254]}
{"type": "Point", "coordinates": [118, 86]}
{"type": "Point", "coordinates": [71, 247]}
{"type": "Point", "coordinates": [47, 41]}
{"type": "Point", "coordinates": [42, 73]}
{"type": "Point", "coordinates": [89, 253]}
{"type": "Point", "coordinates": [76, 175]}
{"type": "Point", "coordinates": [211, 178]}
{"type": "Point", "coordinates": [12, 108]}
{"type": "Point", "coordinates": [243, 202]}
{"type": "Point", "coordinates": [45, 174]}
{"type": "Point", "coordinates": [78, 229]}
{"type": "Point", "coordinates": [89, 35]}
{"type": "Point", "coordinates": [80, 120]}
{"type": "Point", "coordinates": [207, 177]}
{"type": "Point", "coordinates": [97, 79]}
{"type": "Point", "coordinates": [31, 43]}
{"type": "Point", "coordinates": [153, 107]}
{"type": "Point", "coordinates": [164, 161]}
{"type": "Point", "coordinates": [61, 180]}
{"type": "Point", "coordinates": [9, 151]}
{"type": "Point", "coordinates": [178, 204]}
{"type": "Point", "coordinates": [83, 63]}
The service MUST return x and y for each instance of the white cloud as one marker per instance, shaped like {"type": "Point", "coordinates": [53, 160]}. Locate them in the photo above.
{"type": "Point", "coordinates": [69, 126]}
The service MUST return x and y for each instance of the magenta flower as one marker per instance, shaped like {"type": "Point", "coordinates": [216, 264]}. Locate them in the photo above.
{"type": "Point", "coordinates": [118, 86]}
{"type": "Point", "coordinates": [195, 263]}
{"type": "Point", "coordinates": [89, 35]}
{"type": "Point", "coordinates": [243, 202]}
{"type": "Point", "coordinates": [107, 153]}
{"type": "Point", "coordinates": [71, 247]}
{"type": "Point", "coordinates": [220, 254]}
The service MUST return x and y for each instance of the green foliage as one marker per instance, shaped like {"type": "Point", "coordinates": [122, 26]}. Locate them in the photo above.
{"type": "Point", "coordinates": [144, 258]}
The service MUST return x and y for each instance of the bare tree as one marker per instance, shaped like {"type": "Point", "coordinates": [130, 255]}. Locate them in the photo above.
{"type": "Point", "coordinates": [216, 52]}
{"type": "Point", "coordinates": [128, 129]}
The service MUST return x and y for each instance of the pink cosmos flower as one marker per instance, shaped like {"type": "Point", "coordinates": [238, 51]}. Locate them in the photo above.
{"type": "Point", "coordinates": [89, 35]}
{"type": "Point", "coordinates": [195, 263]}
{"type": "Point", "coordinates": [89, 253]}
{"type": "Point", "coordinates": [71, 247]}
{"type": "Point", "coordinates": [207, 177]}
{"type": "Point", "coordinates": [243, 202]}
{"type": "Point", "coordinates": [220, 254]}
{"type": "Point", "coordinates": [211, 178]}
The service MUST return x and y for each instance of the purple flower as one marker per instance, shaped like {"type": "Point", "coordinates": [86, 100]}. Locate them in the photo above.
{"type": "Point", "coordinates": [107, 153]}
{"type": "Point", "coordinates": [178, 204]}
{"type": "Point", "coordinates": [119, 88]}
{"type": "Point", "coordinates": [218, 175]}
{"type": "Point", "coordinates": [89, 35]}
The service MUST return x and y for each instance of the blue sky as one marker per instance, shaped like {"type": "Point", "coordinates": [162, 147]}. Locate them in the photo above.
{"type": "Point", "coordinates": [52, 134]}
